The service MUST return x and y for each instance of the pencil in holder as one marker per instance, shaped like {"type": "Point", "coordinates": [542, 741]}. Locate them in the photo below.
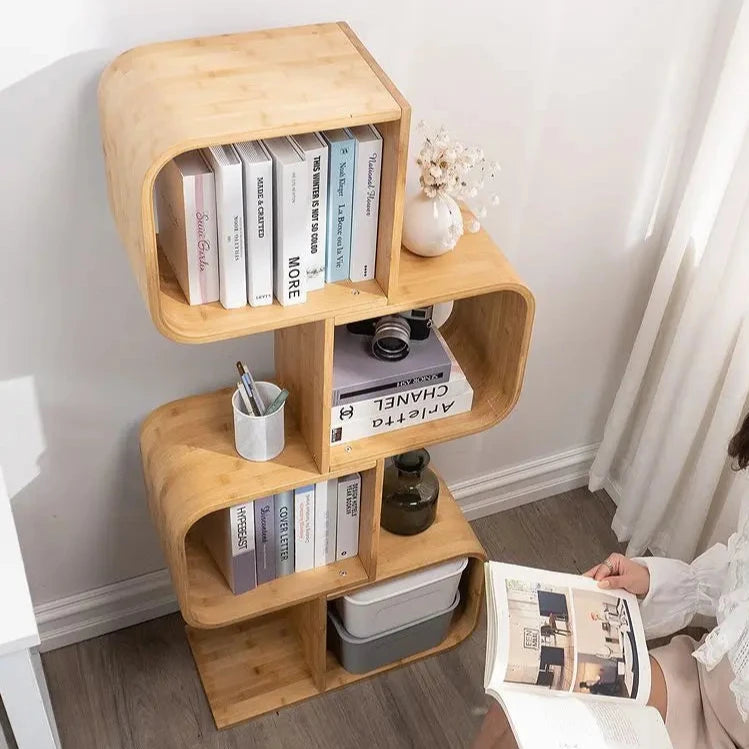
{"type": "Point", "coordinates": [258, 438]}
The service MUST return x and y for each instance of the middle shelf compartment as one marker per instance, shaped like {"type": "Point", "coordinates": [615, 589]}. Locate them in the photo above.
{"type": "Point", "coordinates": [210, 602]}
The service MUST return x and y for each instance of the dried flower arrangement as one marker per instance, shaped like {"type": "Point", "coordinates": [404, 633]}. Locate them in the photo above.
{"type": "Point", "coordinates": [449, 168]}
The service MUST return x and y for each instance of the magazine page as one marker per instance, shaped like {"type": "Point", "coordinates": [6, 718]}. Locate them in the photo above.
{"type": "Point", "coordinates": [580, 723]}
{"type": "Point", "coordinates": [561, 635]}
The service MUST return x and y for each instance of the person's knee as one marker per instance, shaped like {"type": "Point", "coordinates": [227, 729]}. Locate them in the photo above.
{"type": "Point", "coordinates": [658, 694]}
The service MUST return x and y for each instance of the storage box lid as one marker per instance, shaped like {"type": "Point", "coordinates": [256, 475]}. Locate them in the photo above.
{"type": "Point", "coordinates": [399, 585]}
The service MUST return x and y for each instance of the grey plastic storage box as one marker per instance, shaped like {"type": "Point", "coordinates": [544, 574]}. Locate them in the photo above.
{"type": "Point", "coordinates": [361, 654]}
{"type": "Point", "coordinates": [403, 600]}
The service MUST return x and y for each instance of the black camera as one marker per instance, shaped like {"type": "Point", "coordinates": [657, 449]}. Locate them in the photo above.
{"type": "Point", "coordinates": [391, 335]}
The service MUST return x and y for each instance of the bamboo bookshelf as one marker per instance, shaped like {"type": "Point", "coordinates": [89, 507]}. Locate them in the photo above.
{"type": "Point", "coordinates": [261, 650]}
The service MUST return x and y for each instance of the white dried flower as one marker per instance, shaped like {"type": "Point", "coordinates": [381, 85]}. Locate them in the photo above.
{"type": "Point", "coordinates": [448, 167]}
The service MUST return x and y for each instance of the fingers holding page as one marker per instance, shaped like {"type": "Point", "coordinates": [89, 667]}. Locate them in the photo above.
{"type": "Point", "coordinates": [592, 571]}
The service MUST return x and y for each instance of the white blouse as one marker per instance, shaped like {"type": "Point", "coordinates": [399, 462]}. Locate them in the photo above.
{"type": "Point", "coordinates": [715, 584]}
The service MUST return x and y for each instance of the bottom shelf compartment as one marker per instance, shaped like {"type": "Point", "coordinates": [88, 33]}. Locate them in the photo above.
{"type": "Point", "coordinates": [255, 666]}
{"type": "Point", "coordinates": [265, 663]}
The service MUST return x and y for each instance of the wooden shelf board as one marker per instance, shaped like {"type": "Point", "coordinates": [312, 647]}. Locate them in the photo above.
{"type": "Point", "coordinates": [476, 266]}
{"type": "Point", "coordinates": [219, 89]}
{"type": "Point", "coordinates": [251, 668]}
{"type": "Point", "coordinates": [212, 322]}
{"type": "Point", "coordinates": [212, 604]}
{"type": "Point", "coordinates": [481, 416]}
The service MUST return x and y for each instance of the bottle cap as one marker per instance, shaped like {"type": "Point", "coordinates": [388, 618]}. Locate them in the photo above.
{"type": "Point", "coordinates": [414, 461]}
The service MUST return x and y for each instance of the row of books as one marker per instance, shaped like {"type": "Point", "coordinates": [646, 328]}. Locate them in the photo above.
{"type": "Point", "coordinates": [255, 542]}
{"type": "Point", "coordinates": [283, 216]}
{"type": "Point", "coordinates": [371, 397]}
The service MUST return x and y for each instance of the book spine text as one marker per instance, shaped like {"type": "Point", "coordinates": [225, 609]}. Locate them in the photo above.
{"type": "Point", "coordinates": [284, 533]}
{"type": "Point", "coordinates": [366, 209]}
{"type": "Point", "coordinates": [340, 195]}
{"type": "Point", "coordinates": [304, 528]}
{"type": "Point", "coordinates": [259, 222]}
{"type": "Point", "coordinates": [347, 522]}
{"type": "Point", "coordinates": [290, 252]}
{"type": "Point", "coordinates": [318, 179]}
{"type": "Point", "coordinates": [242, 533]}
{"type": "Point", "coordinates": [265, 546]}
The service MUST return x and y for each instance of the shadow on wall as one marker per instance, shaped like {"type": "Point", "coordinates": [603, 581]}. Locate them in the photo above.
{"type": "Point", "coordinates": [81, 362]}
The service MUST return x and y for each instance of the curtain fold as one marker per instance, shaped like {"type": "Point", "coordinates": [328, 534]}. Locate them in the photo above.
{"type": "Point", "coordinates": [687, 380]}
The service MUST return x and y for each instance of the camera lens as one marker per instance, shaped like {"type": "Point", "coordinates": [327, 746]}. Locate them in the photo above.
{"type": "Point", "coordinates": [391, 338]}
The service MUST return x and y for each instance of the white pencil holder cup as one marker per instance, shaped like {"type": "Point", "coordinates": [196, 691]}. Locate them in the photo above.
{"type": "Point", "coordinates": [258, 438]}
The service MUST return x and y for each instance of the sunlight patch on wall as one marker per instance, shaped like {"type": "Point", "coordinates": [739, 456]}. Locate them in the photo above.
{"type": "Point", "coordinates": [21, 434]}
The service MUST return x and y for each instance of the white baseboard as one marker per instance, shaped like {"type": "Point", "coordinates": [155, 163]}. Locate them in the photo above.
{"type": "Point", "coordinates": [524, 483]}
{"type": "Point", "coordinates": [102, 610]}
{"type": "Point", "coordinates": [96, 612]}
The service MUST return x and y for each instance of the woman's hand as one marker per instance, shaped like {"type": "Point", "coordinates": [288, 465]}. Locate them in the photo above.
{"type": "Point", "coordinates": [618, 571]}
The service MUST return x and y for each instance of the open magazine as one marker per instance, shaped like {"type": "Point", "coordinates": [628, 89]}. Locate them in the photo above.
{"type": "Point", "coordinates": [568, 662]}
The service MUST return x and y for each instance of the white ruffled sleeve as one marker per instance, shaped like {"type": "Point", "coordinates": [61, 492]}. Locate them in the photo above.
{"type": "Point", "coordinates": [679, 591]}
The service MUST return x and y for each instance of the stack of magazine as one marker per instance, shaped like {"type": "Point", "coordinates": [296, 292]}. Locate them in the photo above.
{"type": "Point", "coordinates": [244, 222]}
{"type": "Point", "coordinates": [558, 646]}
{"type": "Point", "coordinates": [255, 542]}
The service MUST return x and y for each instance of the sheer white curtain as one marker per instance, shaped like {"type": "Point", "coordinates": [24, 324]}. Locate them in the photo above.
{"type": "Point", "coordinates": [687, 380]}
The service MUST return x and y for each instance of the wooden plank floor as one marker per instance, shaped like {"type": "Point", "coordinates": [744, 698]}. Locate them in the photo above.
{"type": "Point", "coordinates": [138, 688]}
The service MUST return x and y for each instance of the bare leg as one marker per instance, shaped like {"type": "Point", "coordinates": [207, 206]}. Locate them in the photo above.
{"type": "Point", "coordinates": [495, 731]}
{"type": "Point", "coordinates": [658, 693]}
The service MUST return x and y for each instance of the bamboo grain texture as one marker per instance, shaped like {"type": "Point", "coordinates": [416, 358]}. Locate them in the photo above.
{"type": "Point", "coordinates": [160, 100]}
{"type": "Point", "coordinates": [239, 688]}
{"type": "Point", "coordinates": [266, 648]}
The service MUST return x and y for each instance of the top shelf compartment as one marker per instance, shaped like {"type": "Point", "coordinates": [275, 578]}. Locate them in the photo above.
{"type": "Point", "coordinates": [161, 100]}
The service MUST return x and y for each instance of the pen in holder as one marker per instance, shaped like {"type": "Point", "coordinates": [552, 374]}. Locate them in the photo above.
{"type": "Point", "coordinates": [258, 438]}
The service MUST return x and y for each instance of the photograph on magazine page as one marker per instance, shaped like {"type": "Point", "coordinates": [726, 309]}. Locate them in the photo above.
{"type": "Point", "coordinates": [606, 651]}
{"type": "Point", "coordinates": [541, 644]}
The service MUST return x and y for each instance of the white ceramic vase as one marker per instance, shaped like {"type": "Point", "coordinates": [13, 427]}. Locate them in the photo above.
{"type": "Point", "coordinates": [431, 226]}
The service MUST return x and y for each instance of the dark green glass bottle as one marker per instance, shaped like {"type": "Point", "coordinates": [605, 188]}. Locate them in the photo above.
{"type": "Point", "coordinates": [409, 494]}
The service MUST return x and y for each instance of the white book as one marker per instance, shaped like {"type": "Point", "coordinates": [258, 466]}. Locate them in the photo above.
{"type": "Point", "coordinates": [315, 152]}
{"type": "Point", "coordinates": [366, 204]}
{"type": "Point", "coordinates": [558, 646]}
{"type": "Point", "coordinates": [290, 213]}
{"type": "Point", "coordinates": [347, 521]}
{"type": "Point", "coordinates": [326, 508]}
{"type": "Point", "coordinates": [304, 528]}
{"type": "Point", "coordinates": [257, 171]}
{"type": "Point", "coordinates": [186, 206]}
{"type": "Point", "coordinates": [227, 173]}
{"type": "Point", "coordinates": [400, 417]}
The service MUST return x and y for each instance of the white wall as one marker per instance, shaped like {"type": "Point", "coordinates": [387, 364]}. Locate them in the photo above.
{"type": "Point", "coordinates": [584, 103]}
